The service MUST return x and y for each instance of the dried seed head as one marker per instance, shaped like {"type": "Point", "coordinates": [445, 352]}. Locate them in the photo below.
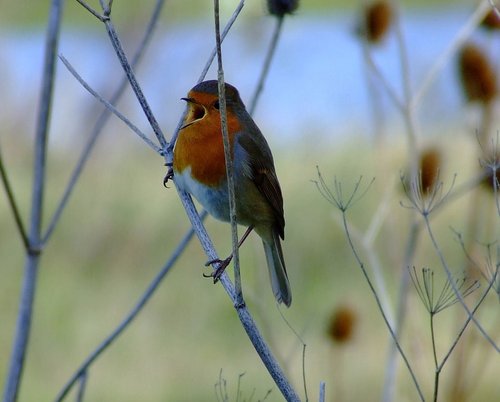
{"type": "Point", "coordinates": [430, 165]}
{"type": "Point", "coordinates": [342, 323]}
{"type": "Point", "coordinates": [491, 21]}
{"type": "Point", "coordinates": [478, 78]}
{"type": "Point", "coordinates": [282, 7]}
{"type": "Point", "coordinates": [377, 19]}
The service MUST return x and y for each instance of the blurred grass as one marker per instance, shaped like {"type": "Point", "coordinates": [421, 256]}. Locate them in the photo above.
{"type": "Point", "coordinates": [120, 227]}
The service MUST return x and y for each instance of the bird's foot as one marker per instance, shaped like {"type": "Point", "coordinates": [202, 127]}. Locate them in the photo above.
{"type": "Point", "coordinates": [222, 265]}
{"type": "Point", "coordinates": [169, 175]}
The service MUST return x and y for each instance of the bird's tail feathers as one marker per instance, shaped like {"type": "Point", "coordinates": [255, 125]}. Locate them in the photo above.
{"type": "Point", "coordinates": [277, 270]}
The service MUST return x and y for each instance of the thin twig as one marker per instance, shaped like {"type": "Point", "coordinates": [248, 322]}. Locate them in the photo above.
{"type": "Point", "coordinates": [145, 297]}
{"type": "Point", "coordinates": [304, 346]}
{"type": "Point", "coordinates": [13, 205]}
{"type": "Point", "coordinates": [92, 11]}
{"type": "Point", "coordinates": [100, 123]}
{"type": "Point", "coordinates": [23, 325]}
{"type": "Point", "coordinates": [376, 268]}
{"type": "Point", "coordinates": [108, 105]}
{"type": "Point", "coordinates": [267, 63]}
{"type": "Point", "coordinates": [228, 159]}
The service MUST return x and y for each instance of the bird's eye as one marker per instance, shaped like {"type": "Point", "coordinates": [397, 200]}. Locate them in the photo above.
{"type": "Point", "coordinates": [216, 104]}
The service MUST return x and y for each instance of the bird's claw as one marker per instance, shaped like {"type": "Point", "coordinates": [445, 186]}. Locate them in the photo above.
{"type": "Point", "coordinates": [169, 175]}
{"type": "Point", "coordinates": [217, 273]}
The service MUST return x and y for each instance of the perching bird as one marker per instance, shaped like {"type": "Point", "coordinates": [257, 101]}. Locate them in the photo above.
{"type": "Point", "coordinates": [199, 169]}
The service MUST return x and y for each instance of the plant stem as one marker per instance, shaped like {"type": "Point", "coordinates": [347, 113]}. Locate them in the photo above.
{"type": "Point", "coordinates": [23, 326]}
{"type": "Point", "coordinates": [434, 353]}
{"type": "Point", "coordinates": [267, 64]}
{"type": "Point", "coordinates": [379, 305]}
{"type": "Point", "coordinates": [227, 157]}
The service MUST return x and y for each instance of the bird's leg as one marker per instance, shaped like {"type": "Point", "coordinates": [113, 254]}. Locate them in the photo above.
{"type": "Point", "coordinates": [224, 263]}
{"type": "Point", "coordinates": [169, 175]}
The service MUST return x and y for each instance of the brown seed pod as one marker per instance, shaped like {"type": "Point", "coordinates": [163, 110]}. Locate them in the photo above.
{"type": "Point", "coordinates": [377, 19]}
{"type": "Point", "coordinates": [282, 7]}
{"type": "Point", "coordinates": [341, 325]}
{"type": "Point", "coordinates": [491, 21]}
{"type": "Point", "coordinates": [430, 165]}
{"type": "Point", "coordinates": [477, 75]}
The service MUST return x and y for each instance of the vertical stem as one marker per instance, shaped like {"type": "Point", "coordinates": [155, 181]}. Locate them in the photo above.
{"type": "Point", "coordinates": [391, 368]}
{"type": "Point", "coordinates": [229, 161]}
{"type": "Point", "coordinates": [436, 385]}
{"type": "Point", "coordinates": [23, 326]}
{"type": "Point", "coordinates": [267, 64]}
{"type": "Point", "coordinates": [433, 338]}
{"type": "Point", "coordinates": [25, 313]}
{"type": "Point", "coordinates": [437, 369]}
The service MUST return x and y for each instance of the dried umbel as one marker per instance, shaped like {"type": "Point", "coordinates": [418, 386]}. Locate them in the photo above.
{"type": "Point", "coordinates": [430, 164]}
{"type": "Point", "coordinates": [491, 21]}
{"type": "Point", "coordinates": [282, 7]}
{"type": "Point", "coordinates": [477, 75]}
{"type": "Point", "coordinates": [342, 323]}
{"type": "Point", "coordinates": [376, 21]}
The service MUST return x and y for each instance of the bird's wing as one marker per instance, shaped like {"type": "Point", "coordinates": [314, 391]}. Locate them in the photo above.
{"type": "Point", "coordinates": [261, 172]}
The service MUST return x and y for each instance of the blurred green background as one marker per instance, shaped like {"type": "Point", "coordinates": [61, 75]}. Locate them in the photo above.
{"type": "Point", "coordinates": [121, 224]}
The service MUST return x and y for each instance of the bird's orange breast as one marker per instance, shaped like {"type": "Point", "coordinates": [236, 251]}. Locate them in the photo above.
{"type": "Point", "coordinates": [200, 147]}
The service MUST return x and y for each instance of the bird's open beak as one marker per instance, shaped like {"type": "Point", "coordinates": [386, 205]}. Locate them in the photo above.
{"type": "Point", "coordinates": [195, 112]}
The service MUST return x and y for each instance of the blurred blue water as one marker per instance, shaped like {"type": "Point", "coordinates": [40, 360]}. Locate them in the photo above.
{"type": "Point", "coordinates": [317, 83]}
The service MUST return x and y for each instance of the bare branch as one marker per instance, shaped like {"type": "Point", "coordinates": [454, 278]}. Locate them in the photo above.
{"type": "Point", "coordinates": [23, 325]}
{"type": "Point", "coordinates": [109, 106]}
{"type": "Point", "coordinates": [228, 159]}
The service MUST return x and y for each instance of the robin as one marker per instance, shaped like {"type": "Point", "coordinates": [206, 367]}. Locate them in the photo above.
{"type": "Point", "coordinates": [199, 169]}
